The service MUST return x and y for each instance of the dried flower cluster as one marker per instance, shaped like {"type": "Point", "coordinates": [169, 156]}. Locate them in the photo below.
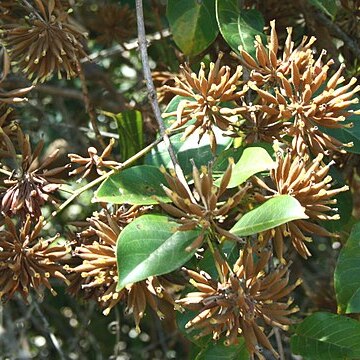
{"type": "Point", "coordinates": [49, 43]}
{"type": "Point", "coordinates": [309, 183]}
{"type": "Point", "coordinates": [203, 208]}
{"type": "Point", "coordinates": [112, 23]}
{"type": "Point", "coordinates": [27, 261]}
{"type": "Point", "coordinates": [241, 301]}
{"type": "Point", "coordinates": [32, 184]}
{"type": "Point", "coordinates": [206, 93]}
{"type": "Point", "coordinates": [96, 276]}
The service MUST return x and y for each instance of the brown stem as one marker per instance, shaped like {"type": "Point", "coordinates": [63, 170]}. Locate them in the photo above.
{"type": "Point", "coordinates": [152, 92]}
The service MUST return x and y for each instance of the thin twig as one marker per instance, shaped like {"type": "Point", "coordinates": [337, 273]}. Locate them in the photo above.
{"type": "Point", "coordinates": [152, 92]}
{"type": "Point", "coordinates": [32, 9]}
{"type": "Point", "coordinates": [279, 344]}
{"type": "Point", "coordinates": [53, 339]}
{"type": "Point", "coordinates": [101, 178]}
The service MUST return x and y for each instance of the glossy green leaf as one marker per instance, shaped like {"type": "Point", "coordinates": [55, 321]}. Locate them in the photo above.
{"type": "Point", "coordinates": [219, 351]}
{"type": "Point", "coordinates": [252, 161]}
{"type": "Point", "coordinates": [135, 186]}
{"type": "Point", "coordinates": [239, 26]}
{"type": "Point", "coordinates": [329, 7]}
{"type": "Point", "coordinates": [131, 136]}
{"type": "Point", "coordinates": [274, 212]}
{"type": "Point", "coordinates": [326, 336]}
{"type": "Point", "coordinates": [347, 274]}
{"type": "Point", "coordinates": [150, 245]}
{"type": "Point", "coordinates": [193, 24]}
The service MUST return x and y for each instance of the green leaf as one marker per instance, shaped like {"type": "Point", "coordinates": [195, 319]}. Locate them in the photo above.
{"type": "Point", "coordinates": [349, 134]}
{"type": "Point", "coordinates": [193, 24]}
{"type": "Point", "coordinates": [325, 336]}
{"type": "Point", "coordinates": [239, 26]}
{"type": "Point", "coordinates": [218, 351]}
{"type": "Point", "coordinates": [274, 212]}
{"type": "Point", "coordinates": [252, 161]}
{"type": "Point", "coordinates": [135, 186]}
{"type": "Point", "coordinates": [150, 245]}
{"type": "Point", "coordinates": [131, 136]}
{"type": "Point", "coordinates": [188, 149]}
{"type": "Point", "coordinates": [347, 274]}
{"type": "Point", "coordinates": [329, 7]}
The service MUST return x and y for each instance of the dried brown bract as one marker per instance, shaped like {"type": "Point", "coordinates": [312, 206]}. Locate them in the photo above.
{"type": "Point", "coordinates": [98, 268]}
{"type": "Point", "coordinates": [12, 96]}
{"type": "Point", "coordinates": [32, 184]}
{"type": "Point", "coordinates": [309, 183]}
{"type": "Point", "coordinates": [93, 161]}
{"type": "Point", "coordinates": [112, 23]}
{"type": "Point", "coordinates": [206, 95]}
{"type": "Point", "coordinates": [205, 209]}
{"type": "Point", "coordinates": [241, 302]}
{"type": "Point", "coordinates": [48, 43]}
{"type": "Point", "coordinates": [28, 261]}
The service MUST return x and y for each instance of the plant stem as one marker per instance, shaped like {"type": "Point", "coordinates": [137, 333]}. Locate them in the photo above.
{"type": "Point", "coordinates": [103, 177]}
{"type": "Point", "coordinates": [152, 92]}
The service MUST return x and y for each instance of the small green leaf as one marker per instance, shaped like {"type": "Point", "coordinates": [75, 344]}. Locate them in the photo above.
{"type": "Point", "coordinates": [239, 26]}
{"type": "Point", "coordinates": [325, 336]}
{"type": "Point", "coordinates": [150, 245]}
{"type": "Point", "coordinates": [193, 24]}
{"type": "Point", "coordinates": [329, 7]}
{"type": "Point", "coordinates": [274, 212]}
{"type": "Point", "coordinates": [347, 274]}
{"type": "Point", "coordinates": [218, 351]}
{"type": "Point", "coordinates": [252, 161]}
{"type": "Point", "coordinates": [135, 186]}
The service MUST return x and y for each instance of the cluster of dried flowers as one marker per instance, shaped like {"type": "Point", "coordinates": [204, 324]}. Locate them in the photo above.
{"type": "Point", "coordinates": [288, 99]}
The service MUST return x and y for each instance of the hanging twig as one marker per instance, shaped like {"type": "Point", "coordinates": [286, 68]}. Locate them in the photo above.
{"type": "Point", "coordinates": [152, 92]}
{"type": "Point", "coordinates": [279, 344]}
{"type": "Point", "coordinates": [49, 332]}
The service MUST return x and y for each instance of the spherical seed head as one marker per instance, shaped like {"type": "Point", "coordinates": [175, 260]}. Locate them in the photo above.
{"type": "Point", "coordinates": [208, 91]}
{"type": "Point", "coordinates": [28, 262]}
{"type": "Point", "coordinates": [48, 45]}
{"type": "Point", "coordinates": [246, 299]}
{"type": "Point", "coordinates": [308, 182]}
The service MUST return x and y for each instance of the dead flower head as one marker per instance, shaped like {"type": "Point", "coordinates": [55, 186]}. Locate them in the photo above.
{"type": "Point", "coordinates": [205, 95]}
{"type": "Point", "coordinates": [309, 183]}
{"type": "Point", "coordinates": [98, 268]}
{"type": "Point", "coordinates": [112, 22]}
{"type": "Point", "coordinates": [28, 261]}
{"type": "Point", "coordinates": [269, 65]}
{"type": "Point", "coordinates": [93, 161]}
{"type": "Point", "coordinates": [48, 42]}
{"type": "Point", "coordinates": [32, 184]}
{"type": "Point", "coordinates": [204, 208]}
{"type": "Point", "coordinates": [241, 302]}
